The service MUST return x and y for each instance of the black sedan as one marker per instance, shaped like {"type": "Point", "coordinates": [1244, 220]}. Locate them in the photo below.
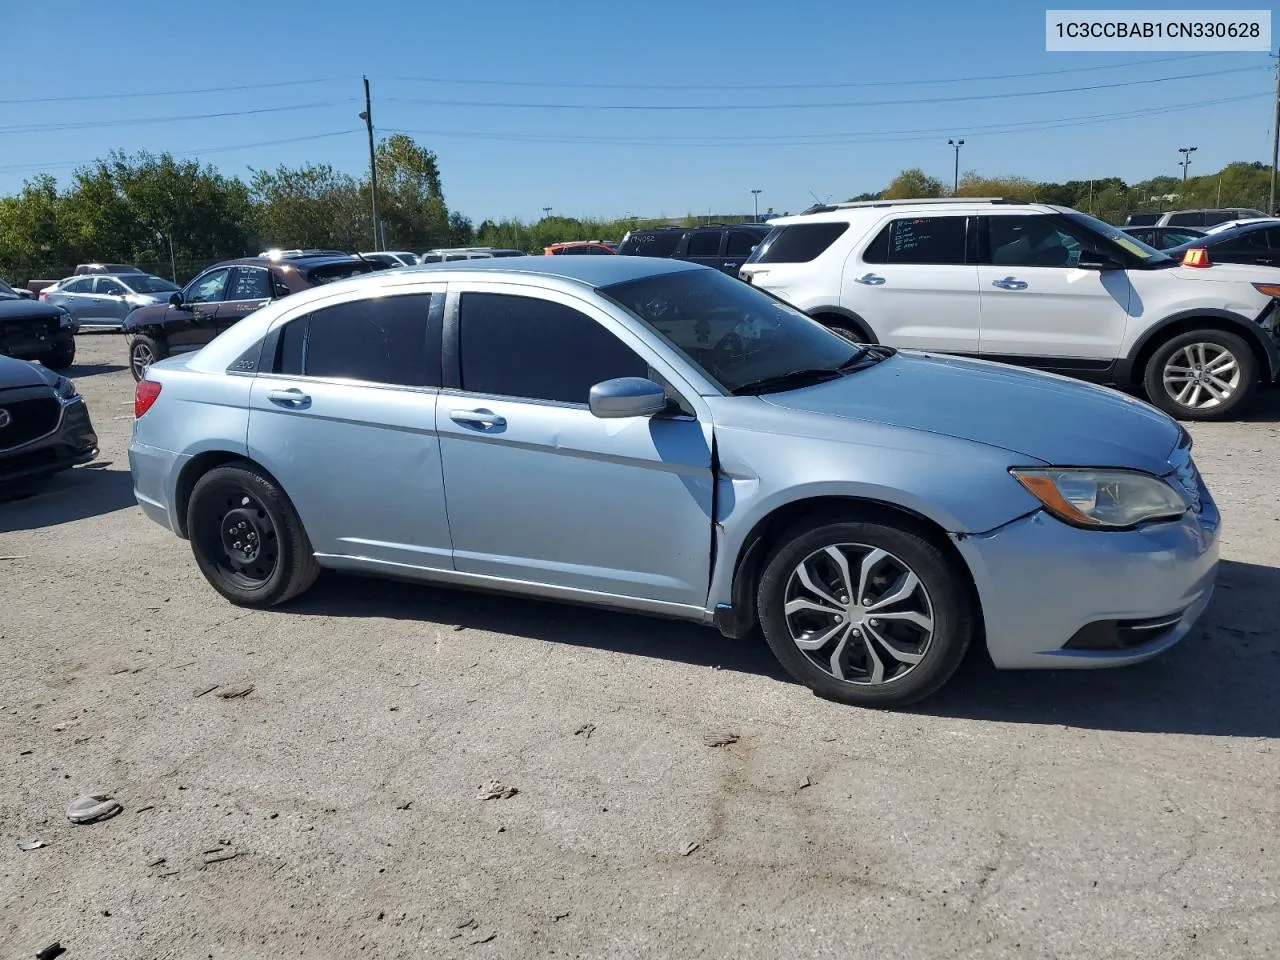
{"type": "Point", "coordinates": [1253, 243]}
{"type": "Point", "coordinates": [32, 330]}
{"type": "Point", "coordinates": [44, 424]}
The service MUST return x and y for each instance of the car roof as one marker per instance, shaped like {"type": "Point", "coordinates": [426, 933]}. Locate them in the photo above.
{"type": "Point", "coordinates": [304, 262]}
{"type": "Point", "coordinates": [595, 271]}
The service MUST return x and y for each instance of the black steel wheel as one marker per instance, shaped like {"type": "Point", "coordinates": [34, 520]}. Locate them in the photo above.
{"type": "Point", "coordinates": [247, 539]}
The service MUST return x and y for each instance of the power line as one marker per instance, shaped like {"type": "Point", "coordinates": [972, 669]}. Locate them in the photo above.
{"type": "Point", "coordinates": [794, 86]}
{"type": "Point", "coordinates": [171, 93]}
{"type": "Point", "coordinates": [1016, 94]}
{"type": "Point", "coordinates": [136, 121]}
{"type": "Point", "coordinates": [884, 136]}
{"type": "Point", "coordinates": [226, 148]}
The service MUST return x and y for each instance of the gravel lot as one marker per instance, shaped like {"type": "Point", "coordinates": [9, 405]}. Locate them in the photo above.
{"type": "Point", "coordinates": [1131, 813]}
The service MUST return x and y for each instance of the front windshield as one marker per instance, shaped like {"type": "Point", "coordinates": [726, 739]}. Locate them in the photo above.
{"type": "Point", "coordinates": [735, 334]}
{"type": "Point", "coordinates": [145, 283]}
{"type": "Point", "coordinates": [1147, 254]}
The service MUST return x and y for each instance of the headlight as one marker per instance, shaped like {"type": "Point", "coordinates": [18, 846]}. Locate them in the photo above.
{"type": "Point", "coordinates": [1103, 499]}
{"type": "Point", "coordinates": [64, 388]}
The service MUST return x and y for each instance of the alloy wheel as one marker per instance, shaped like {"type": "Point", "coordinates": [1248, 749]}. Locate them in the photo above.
{"type": "Point", "coordinates": [1201, 376]}
{"type": "Point", "coordinates": [859, 613]}
{"type": "Point", "coordinates": [141, 357]}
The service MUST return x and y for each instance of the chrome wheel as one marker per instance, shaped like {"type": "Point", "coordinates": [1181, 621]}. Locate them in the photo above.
{"type": "Point", "coordinates": [1201, 376]}
{"type": "Point", "coordinates": [859, 613]}
{"type": "Point", "coordinates": [141, 357]}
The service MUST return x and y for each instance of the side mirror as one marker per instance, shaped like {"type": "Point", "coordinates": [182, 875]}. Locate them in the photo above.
{"type": "Point", "coordinates": [626, 397]}
{"type": "Point", "coordinates": [175, 298]}
{"type": "Point", "coordinates": [1094, 260]}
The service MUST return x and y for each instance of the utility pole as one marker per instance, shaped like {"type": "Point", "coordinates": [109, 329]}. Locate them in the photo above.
{"type": "Point", "coordinates": [367, 117]}
{"type": "Point", "coordinates": [755, 198]}
{"type": "Point", "coordinates": [1275, 141]}
{"type": "Point", "coordinates": [955, 183]}
{"type": "Point", "coordinates": [1186, 159]}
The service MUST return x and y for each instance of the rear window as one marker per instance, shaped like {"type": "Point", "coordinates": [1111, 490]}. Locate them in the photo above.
{"type": "Point", "coordinates": [337, 271]}
{"type": "Point", "coordinates": [651, 244]}
{"type": "Point", "coordinates": [798, 242]}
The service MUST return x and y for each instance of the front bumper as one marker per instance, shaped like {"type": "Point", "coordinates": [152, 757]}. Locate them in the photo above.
{"type": "Point", "coordinates": [72, 442]}
{"type": "Point", "coordinates": [1041, 582]}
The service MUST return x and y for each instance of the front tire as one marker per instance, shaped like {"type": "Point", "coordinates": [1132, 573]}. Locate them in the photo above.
{"type": "Point", "coordinates": [62, 356]}
{"type": "Point", "coordinates": [1202, 375]}
{"type": "Point", "coordinates": [144, 351]}
{"type": "Point", "coordinates": [247, 539]}
{"type": "Point", "coordinates": [865, 613]}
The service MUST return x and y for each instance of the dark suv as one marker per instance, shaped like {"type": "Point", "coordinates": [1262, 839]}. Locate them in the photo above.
{"type": "Point", "coordinates": [725, 247]}
{"type": "Point", "coordinates": [223, 294]}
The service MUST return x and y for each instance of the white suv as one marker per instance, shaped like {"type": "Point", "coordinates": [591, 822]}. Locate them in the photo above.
{"type": "Point", "coordinates": [1031, 284]}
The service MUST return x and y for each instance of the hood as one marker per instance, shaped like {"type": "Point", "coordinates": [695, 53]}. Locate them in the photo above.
{"type": "Point", "coordinates": [1038, 415]}
{"type": "Point", "coordinates": [1224, 272]}
{"type": "Point", "coordinates": [28, 310]}
{"type": "Point", "coordinates": [20, 373]}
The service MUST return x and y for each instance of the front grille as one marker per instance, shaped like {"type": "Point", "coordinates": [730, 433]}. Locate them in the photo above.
{"type": "Point", "coordinates": [1122, 634]}
{"type": "Point", "coordinates": [22, 421]}
{"type": "Point", "coordinates": [27, 331]}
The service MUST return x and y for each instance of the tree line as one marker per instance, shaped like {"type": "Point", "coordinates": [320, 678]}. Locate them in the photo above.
{"type": "Point", "coordinates": [1108, 198]}
{"type": "Point", "coordinates": [173, 217]}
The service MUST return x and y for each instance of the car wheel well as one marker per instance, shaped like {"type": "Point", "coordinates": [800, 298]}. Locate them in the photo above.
{"type": "Point", "coordinates": [1187, 325]}
{"type": "Point", "coordinates": [196, 468]}
{"type": "Point", "coordinates": [836, 319]}
{"type": "Point", "coordinates": [769, 530]}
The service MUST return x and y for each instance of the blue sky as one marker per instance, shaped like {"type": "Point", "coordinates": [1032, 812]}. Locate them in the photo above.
{"type": "Point", "coordinates": [514, 160]}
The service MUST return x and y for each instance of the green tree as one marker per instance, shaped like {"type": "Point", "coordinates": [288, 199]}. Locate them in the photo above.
{"type": "Point", "coordinates": [310, 206]}
{"type": "Point", "coordinates": [912, 184]}
{"type": "Point", "coordinates": [410, 195]}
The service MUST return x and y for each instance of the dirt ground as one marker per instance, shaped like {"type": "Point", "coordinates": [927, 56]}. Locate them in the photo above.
{"type": "Point", "coordinates": [1131, 813]}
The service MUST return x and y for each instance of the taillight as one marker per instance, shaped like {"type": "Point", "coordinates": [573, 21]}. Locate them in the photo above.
{"type": "Point", "coordinates": [144, 395]}
{"type": "Point", "coordinates": [1196, 257]}
{"type": "Point", "coordinates": [44, 294]}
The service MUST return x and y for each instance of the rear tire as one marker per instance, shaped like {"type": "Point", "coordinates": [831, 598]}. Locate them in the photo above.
{"type": "Point", "coordinates": [1202, 375]}
{"type": "Point", "coordinates": [865, 613]}
{"type": "Point", "coordinates": [144, 351]}
{"type": "Point", "coordinates": [247, 538]}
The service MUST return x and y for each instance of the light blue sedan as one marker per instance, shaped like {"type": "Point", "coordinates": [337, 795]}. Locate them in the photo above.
{"type": "Point", "coordinates": [655, 436]}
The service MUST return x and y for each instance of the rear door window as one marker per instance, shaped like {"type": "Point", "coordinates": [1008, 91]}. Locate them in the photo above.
{"type": "Point", "coordinates": [383, 340]}
{"type": "Point", "coordinates": [83, 285]}
{"type": "Point", "coordinates": [741, 243]}
{"type": "Point", "coordinates": [798, 242]}
{"type": "Point", "coordinates": [250, 283]}
{"type": "Point", "coordinates": [920, 240]}
{"type": "Point", "coordinates": [704, 243]}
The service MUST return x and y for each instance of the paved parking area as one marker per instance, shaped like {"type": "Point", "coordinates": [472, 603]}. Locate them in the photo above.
{"type": "Point", "coordinates": [1130, 814]}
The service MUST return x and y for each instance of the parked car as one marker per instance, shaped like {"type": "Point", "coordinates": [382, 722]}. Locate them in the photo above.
{"type": "Point", "coordinates": [1232, 224]}
{"type": "Point", "coordinates": [83, 269]}
{"type": "Point", "coordinates": [1162, 238]}
{"type": "Point", "coordinates": [1257, 244]}
{"type": "Point", "coordinates": [223, 295]}
{"type": "Point", "coordinates": [1191, 218]}
{"type": "Point", "coordinates": [874, 511]}
{"type": "Point", "coordinates": [44, 424]}
{"type": "Point", "coordinates": [105, 300]}
{"type": "Point", "coordinates": [31, 330]}
{"type": "Point", "coordinates": [1030, 284]}
{"type": "Point", "coordinates": [392, 258]}
{"type": "Point", "coordinates": [10, 292]}
{"type": "Point", "coordinates": [725, 248]}
{"type": "Point", "coordinates": [451, 254]}
{"type": "Point", "coordinates": [579, 248]}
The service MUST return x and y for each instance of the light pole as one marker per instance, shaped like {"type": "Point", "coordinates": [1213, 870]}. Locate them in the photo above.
{"type": "Point", "coordinates": [755, 200]}
{"type": "Point", "coordinates": [955, 183]}
{"type": "Point", "coordinates": [546, 212]}
{"type": "Point", "coordinates": [1186, 159]}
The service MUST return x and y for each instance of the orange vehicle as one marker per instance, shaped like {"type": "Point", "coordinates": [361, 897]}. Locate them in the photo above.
{"type": "Point", "coordinates": [580, 247]}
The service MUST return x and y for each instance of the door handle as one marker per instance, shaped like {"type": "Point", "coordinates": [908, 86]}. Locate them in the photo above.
{"type": "Point", "coordinates": [870, 279]}
{"type": "Point", "coordinates": [478, 418]}
{"type": "Point", "coordinates": [1010, 283]}
{"type": "Point", "coordinates": [293, 397]}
